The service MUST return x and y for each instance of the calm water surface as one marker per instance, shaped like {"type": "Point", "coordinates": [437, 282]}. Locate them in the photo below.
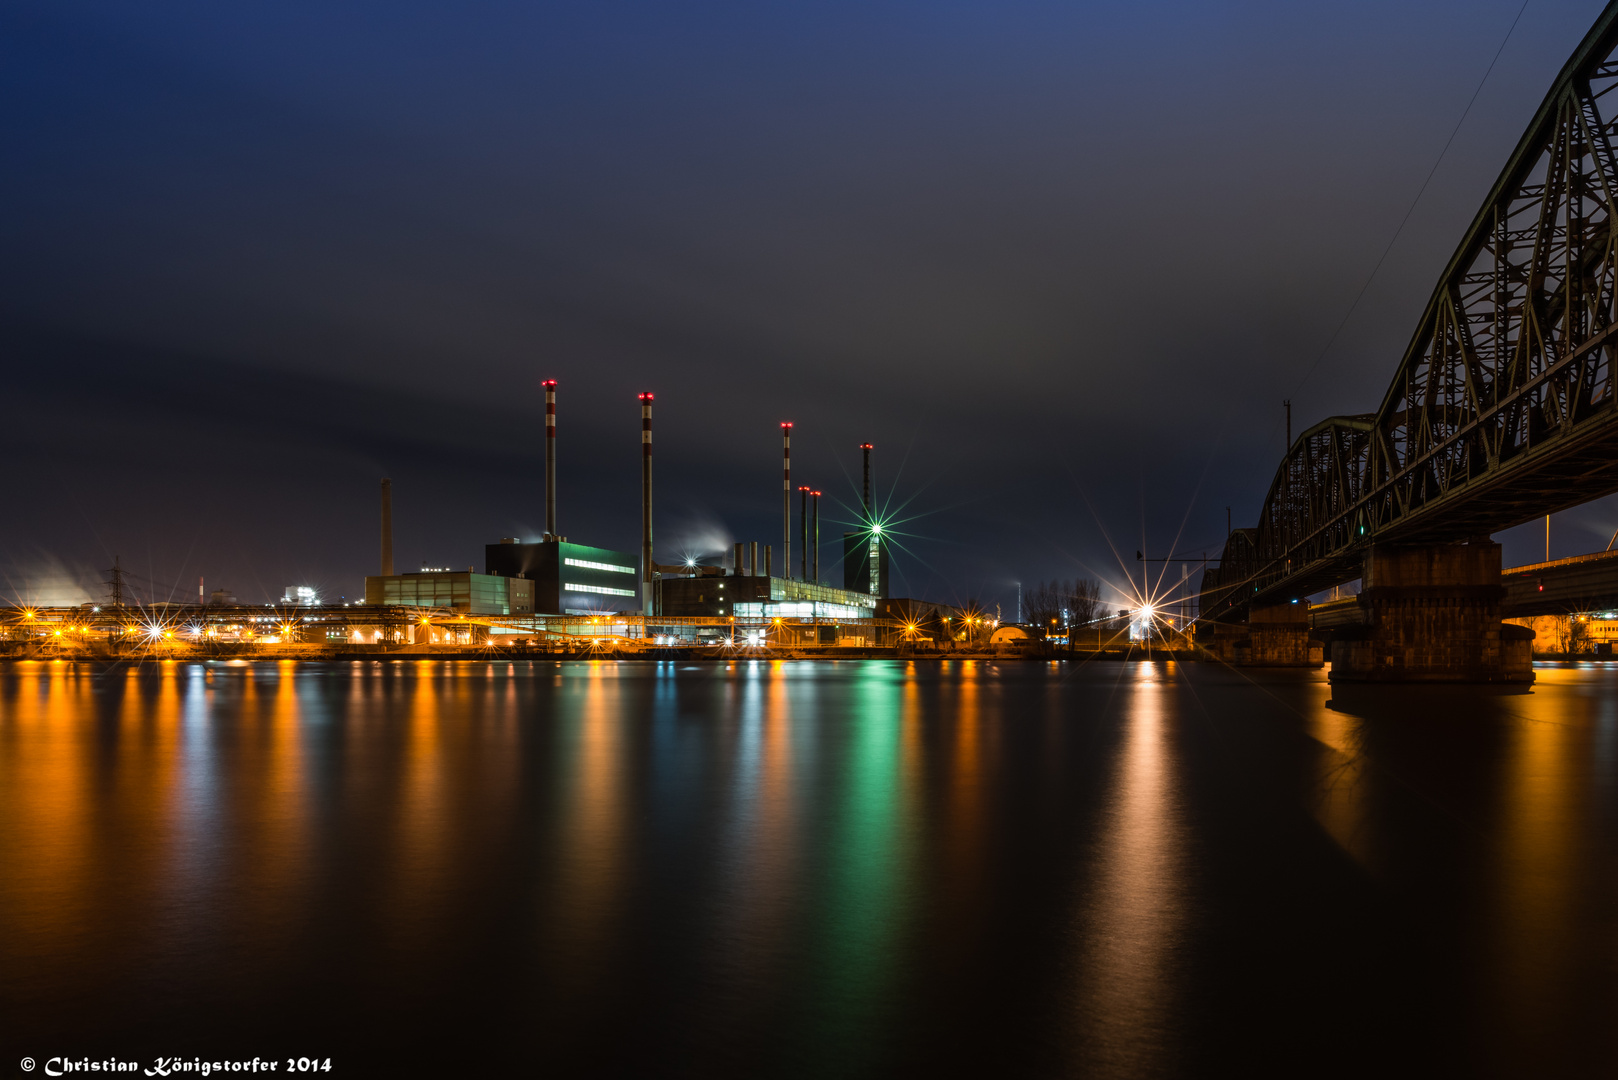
{"type": "Point", "coordinates": [820, 869]}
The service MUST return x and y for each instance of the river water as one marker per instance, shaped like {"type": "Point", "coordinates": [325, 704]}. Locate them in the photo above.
{"type": "Point", "coordinates": [857, 868]}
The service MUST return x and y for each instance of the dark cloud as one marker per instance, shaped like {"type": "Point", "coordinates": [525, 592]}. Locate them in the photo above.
{"type": "Point", "coordinates": [1060, 262]}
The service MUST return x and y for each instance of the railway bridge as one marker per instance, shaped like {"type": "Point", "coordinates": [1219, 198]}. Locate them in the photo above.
{"type": "Point", "coordinates": [1503, 408]}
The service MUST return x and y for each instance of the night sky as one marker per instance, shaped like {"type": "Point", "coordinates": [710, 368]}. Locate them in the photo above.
{"type": "Point", "coordinates": [1060, 262]}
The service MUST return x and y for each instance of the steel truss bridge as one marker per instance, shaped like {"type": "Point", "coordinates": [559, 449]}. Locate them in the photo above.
{"type": "Point", "coordinates": [1504, 407]}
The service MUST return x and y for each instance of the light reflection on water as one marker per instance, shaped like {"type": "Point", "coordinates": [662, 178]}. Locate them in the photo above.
{"type": "Point", "coordinates": [1136, 894]}
{"type": "Point", "coordinates": [848, 868]}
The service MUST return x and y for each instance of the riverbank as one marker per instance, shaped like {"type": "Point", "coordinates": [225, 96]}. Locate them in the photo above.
{"type": "Point", "coordinates": [98, 652]}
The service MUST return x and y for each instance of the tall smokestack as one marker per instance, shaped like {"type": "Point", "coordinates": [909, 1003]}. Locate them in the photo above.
{"type": "Point", "coordinates": [803, 526]}
{"type": "Point", "coordinates": [867, 448]}
{"type": "Point", "coordinates": [817, 537]}
{"type": "Point", "coordinates": [739, 559]}
{"type": "Point", "coordinates": [752, 560]}
{"type": "Point", "coordinates": [767, 567]}
{"type": "Point", "coordinates": [786, 500]}
{"type": "Point", "coordinates": [646, 496]}
{"type": "Point", "coordinates": [387, 528]}
{"type": "Point", "coordinates": [874, 549]}
{"type": "Point", "coordinates": [550, 458]}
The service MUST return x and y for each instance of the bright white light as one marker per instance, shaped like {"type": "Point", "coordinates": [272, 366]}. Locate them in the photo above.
{"type": "Point", "coordinates": [877, 529]}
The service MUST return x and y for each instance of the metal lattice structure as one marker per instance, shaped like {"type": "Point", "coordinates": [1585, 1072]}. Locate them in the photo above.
{"type": "Point", "coordinates": [1503, 406]}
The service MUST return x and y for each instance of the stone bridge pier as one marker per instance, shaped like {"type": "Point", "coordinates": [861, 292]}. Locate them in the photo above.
{"type": "Point", "coordinates": [1276, 635]}
{"type": "Point", "coordinates": [1431, 613]}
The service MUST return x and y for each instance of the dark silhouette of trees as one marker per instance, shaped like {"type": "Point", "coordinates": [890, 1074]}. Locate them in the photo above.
{"type": "Point", "coordinates": [1084, 601]}
{"type": "Point", "coordinates": [1054, 605]}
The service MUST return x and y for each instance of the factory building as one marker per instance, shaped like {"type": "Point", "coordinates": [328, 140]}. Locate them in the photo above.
{"type": "Point", "coordinates": [759, 597]}
{"type": "Point", "coordinates": [551, 577]}
{"type": "Point", "coordinates": [863, 553]}
{"type": "Point", "coordinates": [569, 579]}
{"type": "Point", "coordinates": [464, 591]}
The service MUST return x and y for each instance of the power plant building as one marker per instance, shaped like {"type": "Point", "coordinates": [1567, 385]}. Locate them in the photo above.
{"type": "Point", "coordinates": [759, 597]}
{"type": "Point", "coordinates": [861, 554]}
{"type": "Point", "coordinates": [464, 592]}
{"type": "Point", "coordinates": [569, 579]}
{"type": "Point", "coordinates": [555, 577]}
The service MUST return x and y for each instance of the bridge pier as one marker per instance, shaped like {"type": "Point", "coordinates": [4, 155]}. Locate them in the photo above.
{"type": "Point", "coordinates": [1274, 636]}
{"type": "Point", "coordinates": [1431, 613]}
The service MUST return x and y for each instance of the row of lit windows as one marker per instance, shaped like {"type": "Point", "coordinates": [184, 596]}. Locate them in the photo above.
{"type": "Point", "coordinates": [588, 565]}
{"type": "Point", "coordinates": [491, 590]}
{"type": "Point", "coordinates": [600, 589]}
{"type": "Point", "coordinates": [799, 610]}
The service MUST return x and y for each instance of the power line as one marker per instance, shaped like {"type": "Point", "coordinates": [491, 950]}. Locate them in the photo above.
{"type": "Point", "coordinates": [1406, 219]}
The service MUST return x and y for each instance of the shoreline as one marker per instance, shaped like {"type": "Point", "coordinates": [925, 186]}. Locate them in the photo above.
{"type": "Point", "coordinates": [471, 653]}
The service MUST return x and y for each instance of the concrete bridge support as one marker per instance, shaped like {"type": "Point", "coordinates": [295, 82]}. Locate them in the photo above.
{"type": "Point", "coordinates": [1275, 636]}
{"type": "Point", "coordinates": [1431, 613]}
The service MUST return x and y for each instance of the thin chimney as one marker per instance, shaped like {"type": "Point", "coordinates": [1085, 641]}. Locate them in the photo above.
{"type": "Point", "coordinates": [817, 537]}
{"type": "Point", "coordinates": [786, 500]}
{"type": "Point", "coordinates": [646, 495]}
{"type": "Point", "coordinates": [737, 565]}
{"type": "Point", "coordinates": [874, 551]}
{"type": "Point", "coordinates": [867, 448]}
{"type": "Point", "coordinates": [387, 528]}
{"type": "Point", "coordinates": [550, 459]}
{"type": "Point", "coordinates": [803, 525]}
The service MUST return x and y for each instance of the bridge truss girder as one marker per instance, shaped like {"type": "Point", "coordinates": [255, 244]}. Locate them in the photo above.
{"type": "Point", "coordinates": [1504, 406]}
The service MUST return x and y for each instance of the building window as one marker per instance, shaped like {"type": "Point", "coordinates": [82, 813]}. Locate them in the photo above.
{"type": "Point", "coordinates": [600, 589]}
{"type": "Point", "coordinates": [586, 564]}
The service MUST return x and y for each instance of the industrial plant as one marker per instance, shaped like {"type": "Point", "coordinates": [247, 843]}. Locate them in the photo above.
{"type": "Point", "coordinates": [557, 595]}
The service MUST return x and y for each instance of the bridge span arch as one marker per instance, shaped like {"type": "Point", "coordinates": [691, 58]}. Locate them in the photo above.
{"type": "Point", "coordinates": [1504, 406]}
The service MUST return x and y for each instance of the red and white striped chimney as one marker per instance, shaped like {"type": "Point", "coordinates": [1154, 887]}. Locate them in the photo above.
{"type": "Point", "coordinates": [550, 458]}
{"type": "Point", "coordinates": [646, 495]}
{"type": "Point", "coordinates": [786, 500]}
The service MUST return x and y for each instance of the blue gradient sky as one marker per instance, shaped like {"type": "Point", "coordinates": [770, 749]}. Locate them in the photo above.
{"type": "Point", "coordinates": [1060, 262]}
